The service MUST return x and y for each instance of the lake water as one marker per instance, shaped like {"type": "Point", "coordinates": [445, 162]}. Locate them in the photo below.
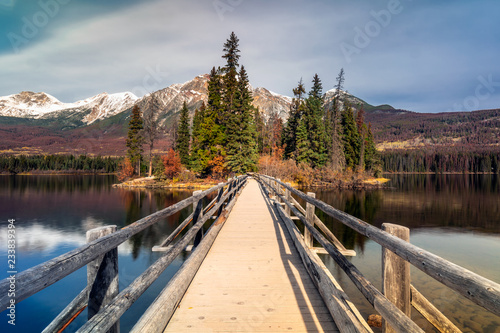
{"type": "Point", "coordinates": [454, 216]}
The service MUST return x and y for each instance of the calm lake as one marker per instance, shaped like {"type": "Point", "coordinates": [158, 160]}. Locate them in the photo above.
{"type": "Point", "coordinates": [454, 216]}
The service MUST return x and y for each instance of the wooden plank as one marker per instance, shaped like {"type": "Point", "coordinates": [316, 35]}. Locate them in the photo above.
{"type": "Point", "coordinates": [110, 314]}
{"type": "Point", "coordinates": [160, 311]}
{"type": "Point", "coordinates": [476, 288]}
{"type": "Point", "coordinates": [389, 311]}
{"type": "Point", "coordinates": [347, 317]}
{"type": "Point", "coordinates": [396, 275]}
{"type": "Point", "coordinates": [267, 294]}
{"type": "Point", "coordinates": [431, 313]}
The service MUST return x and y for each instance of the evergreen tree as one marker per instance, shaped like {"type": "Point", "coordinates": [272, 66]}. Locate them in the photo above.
{"type": "Point", "coordinates": [242, 149]}
{"type": "Point", "coordinates": [289, 138]}
{"type": "Point", "coordinates": [350, 137]}
{"type": "Point", "coordinates": [303, 151]}
{"type": "Point", "coordinates": [212, 136]}
{"type": "Point", "coordinates": [362, 131]}
{"type": "Point", "coordinates": [232, 52]}
{"type": "Point", "coordinates": [183, 136]}
{"type": "Point", "coordinates": [315, 115]}
{"type": "Point", "coordinates": [134, 139]}
{"type": "Point", "coordinates": [198, 118]}
{"type": "Point", "coordinates": [311, 137]}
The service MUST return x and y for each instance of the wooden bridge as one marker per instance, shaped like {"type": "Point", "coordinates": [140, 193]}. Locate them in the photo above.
{"type": "Point", "coordinates": [252, 270]}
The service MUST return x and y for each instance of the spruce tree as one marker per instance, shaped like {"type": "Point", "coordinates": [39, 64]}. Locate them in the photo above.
{"type": "Point", "coordinates": [303, 152]}
{"type": "Point", "coordinates": [183, 135]}
{"type": "Point", "coordinates": [198, 118]}
{"type": "Point", "coordinates": [134, 139]}
{"type": "Point", "coordinates": [242, 154]}
{"type": "Point", "coordinates": [212, 134]}
{"type": "Point", "coordinates": [362, 131]}
{"type": "Point", "coordinates": [315, 114]}
{"type": "Point", "coordinates": [350, 137]}
{"type": "Point", "coordinates": [289, 138]}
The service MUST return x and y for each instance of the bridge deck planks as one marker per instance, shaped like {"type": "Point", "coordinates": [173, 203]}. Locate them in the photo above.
{"type": "Point", "coordinates": [252, 280]}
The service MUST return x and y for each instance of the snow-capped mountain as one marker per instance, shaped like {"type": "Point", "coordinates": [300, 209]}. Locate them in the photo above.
{"type": "Point", "coordinates": [195, 92]}
{"type": "Point", "coordinates": [44, 106]}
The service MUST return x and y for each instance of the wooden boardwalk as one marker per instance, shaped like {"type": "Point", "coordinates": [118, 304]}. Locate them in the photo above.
{"type": "Point", "coordinates": [252, 280]}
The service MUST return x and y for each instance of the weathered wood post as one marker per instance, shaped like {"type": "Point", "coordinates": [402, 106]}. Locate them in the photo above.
{"type": "Point", "coordinates": [396, 275]}
{"type": "Point", "coordinates": [278, 191]}
{"type": "Point", "coordinates": [308, 238]}
{"type": "Point", "coordinates": [287, 198]}
{"type": "Point", "coordinates": [219, 196]}
{"type": "Point", "coordinates": [198, 214]}
{"type": "Point", "coordinates": [102, 276]}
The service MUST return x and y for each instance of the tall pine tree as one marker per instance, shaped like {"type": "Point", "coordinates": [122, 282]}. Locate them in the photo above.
{"type": "Point", "coordinates": [134, 139]}
{"type": "Point", "coordinates": [183, 135]}
{"type": "Point", "coordinates": [289, 138]}
{"type": "Point", "coordinates": [198, 117]}
{"type": "Point", "coordinates": [242, 149]}
{"type": "Point", "coordinates": [311, 132]}
{"type": "Point", "coordinates": [350, 137]}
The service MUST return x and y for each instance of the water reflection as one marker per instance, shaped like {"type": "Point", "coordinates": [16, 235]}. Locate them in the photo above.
{"type": "Point", "coordinates": [52, 215]}
{"type": "Point", "coordinates": [454, 216]}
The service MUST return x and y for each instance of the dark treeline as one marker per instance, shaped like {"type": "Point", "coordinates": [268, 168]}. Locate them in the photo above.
{"type": "Point", "coordinates": [451, 159]}
{"type": "Point", "coordinates": [70, 163]}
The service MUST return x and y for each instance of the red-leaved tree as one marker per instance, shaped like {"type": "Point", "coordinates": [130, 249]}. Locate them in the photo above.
{"type": "Point", "coordinates": [172, 164]}
{"type": "Point", "coordinates": [126, 170]}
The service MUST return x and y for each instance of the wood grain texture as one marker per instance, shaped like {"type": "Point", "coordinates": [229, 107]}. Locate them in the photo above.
{"type": "Point", "coordinates": [431, 313]}
{"type": "Point", "coordinates": [476, 288]}
{"type": "Point", "coordinates": [252, 279]}
{"type": "Point", "coordinates": [396, 275]}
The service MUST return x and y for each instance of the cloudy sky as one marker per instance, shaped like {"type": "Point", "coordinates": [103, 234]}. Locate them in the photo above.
{"type": "Point", "coordinates": [420, 55]}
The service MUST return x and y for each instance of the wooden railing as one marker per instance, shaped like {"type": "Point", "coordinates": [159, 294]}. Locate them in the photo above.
{"type": "Point", "coordinates": [106, 305]}
{"type": "Point", "coordinates": [398, 254]}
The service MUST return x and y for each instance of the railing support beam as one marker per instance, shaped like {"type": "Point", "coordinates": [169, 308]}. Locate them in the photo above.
{"type": "Point", "coordinates": [396, 275]}
{"type": "Point", "coordinates": [102, 276]}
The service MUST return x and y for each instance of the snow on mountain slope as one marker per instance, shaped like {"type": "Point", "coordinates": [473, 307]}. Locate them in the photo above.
{"type": "Point", "coordinates": [42, 105]}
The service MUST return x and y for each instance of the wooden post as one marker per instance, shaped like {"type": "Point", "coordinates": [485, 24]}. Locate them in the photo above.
{"type": "Point", "coordinates": [396, 275]}
{"type": "Point", "coordinates": [308, 238]}
{"type": "Point", "coordinates": [278, 191]}
{"type": "Point", "coordinates": [219, 196]}
{"type": "Point", "coordinates": [102, 276]}
{"type": "Point", "coordinates": [198, 214]}
{"type": "Point", "coordinates": [287, 198]}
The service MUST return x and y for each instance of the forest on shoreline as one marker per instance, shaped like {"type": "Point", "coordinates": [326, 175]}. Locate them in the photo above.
{"type": "Point", "coordinates": [323, 142]}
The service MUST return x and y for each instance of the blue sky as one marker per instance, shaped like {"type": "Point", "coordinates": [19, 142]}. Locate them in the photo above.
{"type": "Point", "coordinates": [425, 56]}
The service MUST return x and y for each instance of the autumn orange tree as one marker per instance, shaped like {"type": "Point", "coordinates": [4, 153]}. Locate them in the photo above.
{"type": "Point", "coordinates": [126, 170]}
{"type": "Point", "coordinates": [172, 164]}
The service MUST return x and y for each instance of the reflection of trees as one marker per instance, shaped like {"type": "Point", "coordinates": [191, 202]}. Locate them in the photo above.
{"type": "Point", "coordinates": [144, 202]}
{"type": "Point", "coordinates": [361, 204]}
{"type": "Point", "coordinates": [444, 201]}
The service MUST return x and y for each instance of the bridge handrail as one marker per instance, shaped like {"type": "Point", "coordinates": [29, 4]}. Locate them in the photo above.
{"type": "Point", "coordinates": [478, 289]}
{"type": "Point", "coordinates": [47, 273]}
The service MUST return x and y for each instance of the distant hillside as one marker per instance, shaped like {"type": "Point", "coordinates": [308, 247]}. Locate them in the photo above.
{"type": "Point", "coordinates": [32, 123]}
{"type": "Point", "coordinates": [401, 129]}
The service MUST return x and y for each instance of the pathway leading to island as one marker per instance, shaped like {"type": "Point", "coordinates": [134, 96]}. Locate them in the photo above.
{"type": "Point", "coordinates": [252, 280]}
